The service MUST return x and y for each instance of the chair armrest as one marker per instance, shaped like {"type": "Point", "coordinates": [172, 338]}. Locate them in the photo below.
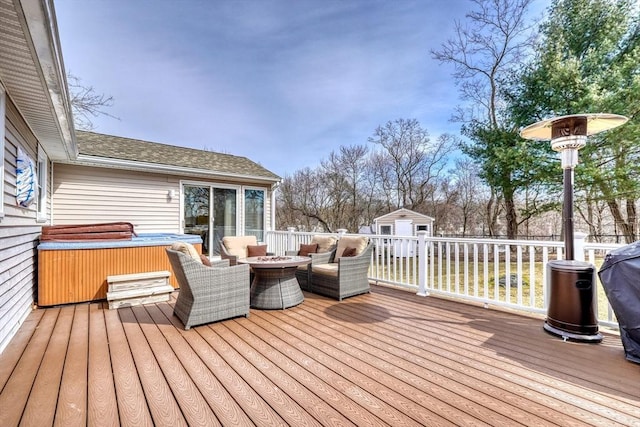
{"type": "Point", "coordinates": [353, 261]}
{"type": "Point", "coordinates": [322, 258]}
{"type": "Point", "coordinates": [219, 264]}
{"type": "Point", "coordinates": [233, 259]}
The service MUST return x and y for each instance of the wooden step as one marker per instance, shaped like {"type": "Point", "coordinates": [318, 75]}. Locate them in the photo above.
{"type": "Point", "coordinates": [128, 290]}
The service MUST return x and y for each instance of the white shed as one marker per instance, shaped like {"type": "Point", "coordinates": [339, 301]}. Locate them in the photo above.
{"type": "Point", "coordinates": [403, 223]}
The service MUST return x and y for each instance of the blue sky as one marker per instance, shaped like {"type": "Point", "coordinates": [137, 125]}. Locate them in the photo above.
{"type": "Point", "coordinates": [282, 82]}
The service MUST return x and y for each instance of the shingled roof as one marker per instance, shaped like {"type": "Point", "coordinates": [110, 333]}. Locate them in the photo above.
{"type": "Point", "coordinates": [119, 148]}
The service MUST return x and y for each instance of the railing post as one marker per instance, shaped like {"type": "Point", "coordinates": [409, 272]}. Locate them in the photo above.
{"type": "Point", "coordinates": [579, 239]}
{"type": "Point", "coordinates": [290, 230]}
{"type": "Point", "coordinates": [422, 264]}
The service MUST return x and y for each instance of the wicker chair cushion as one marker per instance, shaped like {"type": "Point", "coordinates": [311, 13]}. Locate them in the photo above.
{"type": "Point", "coordinates": [237, 245]}
{"type": "Point", "coordinates": [357, 242]}
{"type": "Point", "coordinates": [259, 250]}
{"type": "Point", "coordinates": [330, 269]}
{"type": "Point", "coordinates": [325, 243]}
{"type": "Point", "coordinates": [305, 250]}
{"type": "Point", "coordinates": [187, 249]}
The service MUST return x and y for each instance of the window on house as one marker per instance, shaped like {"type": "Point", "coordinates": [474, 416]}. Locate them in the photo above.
{"type": "Point", "coordinates": [2, 144]}
{"type": "Point", "coordinates": [42, 175]}
{"type": "Point", "coordinates": [385, 229]}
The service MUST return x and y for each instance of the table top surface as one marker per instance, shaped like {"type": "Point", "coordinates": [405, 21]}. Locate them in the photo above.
{"type": "Point", "coordinates": [275, 261]}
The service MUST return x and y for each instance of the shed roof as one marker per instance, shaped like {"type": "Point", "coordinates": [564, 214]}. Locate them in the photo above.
{"type": "Point", "coordinates": [115, 149]}
{"type": "Point", "coordinates": [404, 211]}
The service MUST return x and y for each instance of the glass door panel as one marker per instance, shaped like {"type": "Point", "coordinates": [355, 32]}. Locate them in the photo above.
{"type": "Point", "coordinates": [197, 213]}
{"type": "Point", "coordinates": [254, 214]}
{"type": "Point", "coordinates": [225, 214]}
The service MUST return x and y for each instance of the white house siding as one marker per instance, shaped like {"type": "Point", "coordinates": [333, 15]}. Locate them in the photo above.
{"type": "Point", "coordinates": [84, 194]}
{"type": "Point", "coordinates": [19, 233]}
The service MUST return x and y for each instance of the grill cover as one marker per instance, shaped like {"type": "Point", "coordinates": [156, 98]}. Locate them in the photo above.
{"type": "Point", "coordinates": [620, 277]}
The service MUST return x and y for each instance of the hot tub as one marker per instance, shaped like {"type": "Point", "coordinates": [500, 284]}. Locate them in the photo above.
{"type": "Point", "coordinates": [71, 272]}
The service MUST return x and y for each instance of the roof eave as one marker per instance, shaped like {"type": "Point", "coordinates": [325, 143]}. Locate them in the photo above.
{"type": "Point", "coordinates": [87, 160]}
{"type": "Point", "coordinates": [41, 31]}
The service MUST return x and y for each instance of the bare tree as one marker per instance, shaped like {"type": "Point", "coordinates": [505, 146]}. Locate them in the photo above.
{"type": "Point", "coordinates": [493, 41]}
{"type": "Point", "coordinates": [415, 161]}
{"type": "Point", "coordinates": [86, 103]}
{"type": "Point", "coordinates": [345, 172]}
{"type": "Point", "coordinates": [470, 191]}
{"type": "Point", "coordinates": [485, 52]}
{"type": "Point", "coordinates": [303, 202]}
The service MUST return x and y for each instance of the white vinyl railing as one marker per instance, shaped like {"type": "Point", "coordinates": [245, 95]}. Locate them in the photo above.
{"type": "Point", "coordinates": [507, 273]}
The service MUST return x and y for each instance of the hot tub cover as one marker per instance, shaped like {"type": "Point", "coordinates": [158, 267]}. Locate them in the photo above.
{"type": "Point", "coordinates": [620, 277]}
{"type": "Point", "coordinates": [103, 231]}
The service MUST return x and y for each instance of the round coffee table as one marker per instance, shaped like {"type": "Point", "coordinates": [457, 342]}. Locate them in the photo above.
{"type": "Point", "coordinates": [274, 283]}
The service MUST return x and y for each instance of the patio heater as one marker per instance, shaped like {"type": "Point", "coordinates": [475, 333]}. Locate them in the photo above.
{"type": "Point", "coordinates": [570, 314]}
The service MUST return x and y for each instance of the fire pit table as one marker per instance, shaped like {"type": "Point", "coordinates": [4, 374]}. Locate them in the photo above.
{"type": "Point", "coordinates": [274, 283]}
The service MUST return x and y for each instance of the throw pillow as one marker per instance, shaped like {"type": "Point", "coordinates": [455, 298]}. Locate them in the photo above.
{"type": "Point", "coordinates": [205, 260]}
{"type": "Point", "coordinates": [305, 250]}
{"type": "Point", "coordinates": [259, 250]}
{"type": "Point", "coordinates": [349, 252]}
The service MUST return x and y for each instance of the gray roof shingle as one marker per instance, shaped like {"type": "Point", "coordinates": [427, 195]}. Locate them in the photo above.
{"type": "Point", "coordinates": [116, 147]}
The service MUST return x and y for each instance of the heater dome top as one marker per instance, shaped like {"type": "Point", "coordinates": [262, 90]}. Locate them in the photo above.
{"type": "Point", "coordinates": [596, 122]}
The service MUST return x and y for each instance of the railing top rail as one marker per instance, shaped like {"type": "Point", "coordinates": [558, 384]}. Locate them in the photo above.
{"type": "Point", "coordinates": [602, 246]}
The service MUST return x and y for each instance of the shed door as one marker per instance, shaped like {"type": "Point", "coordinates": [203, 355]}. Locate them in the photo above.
{"type": "Point", "coordinates": [402, 247]}
{"type": "Point", "coordinates": [404, 227]}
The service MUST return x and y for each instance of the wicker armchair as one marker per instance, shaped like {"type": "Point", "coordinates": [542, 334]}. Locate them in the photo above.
{"type": "Point", "coordinates": [209, 294]}
{"type": "Point", "coordinates": [233, 248]}
{"type": "Point", "coordinates": [343, 277]}
{"type": "Point", "coordinates": [325, 247]}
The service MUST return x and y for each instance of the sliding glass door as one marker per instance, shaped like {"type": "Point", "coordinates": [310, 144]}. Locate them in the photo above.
{"type": "Point", "coordinates": [225, 215]}
{"type": "Point", "coordinates": [210, 212]}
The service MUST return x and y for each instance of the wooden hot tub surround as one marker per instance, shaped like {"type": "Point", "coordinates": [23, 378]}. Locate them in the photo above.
{"type": "Point", "coordinates": [72, 272]}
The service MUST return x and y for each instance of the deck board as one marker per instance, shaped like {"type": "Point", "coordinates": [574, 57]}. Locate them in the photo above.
{"type": "Point", "coordinates": [71, 409]}
{"type": "Point", "coordinates": [236, 388]}
{"type": "Point", "coordinates": [395, 358]}
{"type": "Point", "coordinates": [227, 411]}
{"type": "Point", "coordinates": [133, 408]}
{"type": "Point", "coordinates": [162, 404]}
{"type": "Point", "coordinates": [41, 405]}
{"type": "Point", "coordinates": [101, 394]}
{"type": "Point", "coordinates": [11, 355]}
{"type": "Point", "coordinates": [385, 358]}
{"type": "Point", "coordinates": [192, 404]}
{"type": "Point", "coordinates": [18, 387]}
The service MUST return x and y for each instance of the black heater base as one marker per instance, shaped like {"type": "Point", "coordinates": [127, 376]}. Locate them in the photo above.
{"type": "Point", "coordinates": [571, 336]}
{"type": "Point", "coordinates": [571, 315]}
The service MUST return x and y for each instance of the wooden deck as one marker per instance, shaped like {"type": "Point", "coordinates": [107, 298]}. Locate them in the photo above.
{"type": "Point", "coordinates": [386, 358]}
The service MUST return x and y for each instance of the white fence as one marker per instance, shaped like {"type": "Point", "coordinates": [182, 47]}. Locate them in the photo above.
{"type": "Point", "coordinates": [507, 273]}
